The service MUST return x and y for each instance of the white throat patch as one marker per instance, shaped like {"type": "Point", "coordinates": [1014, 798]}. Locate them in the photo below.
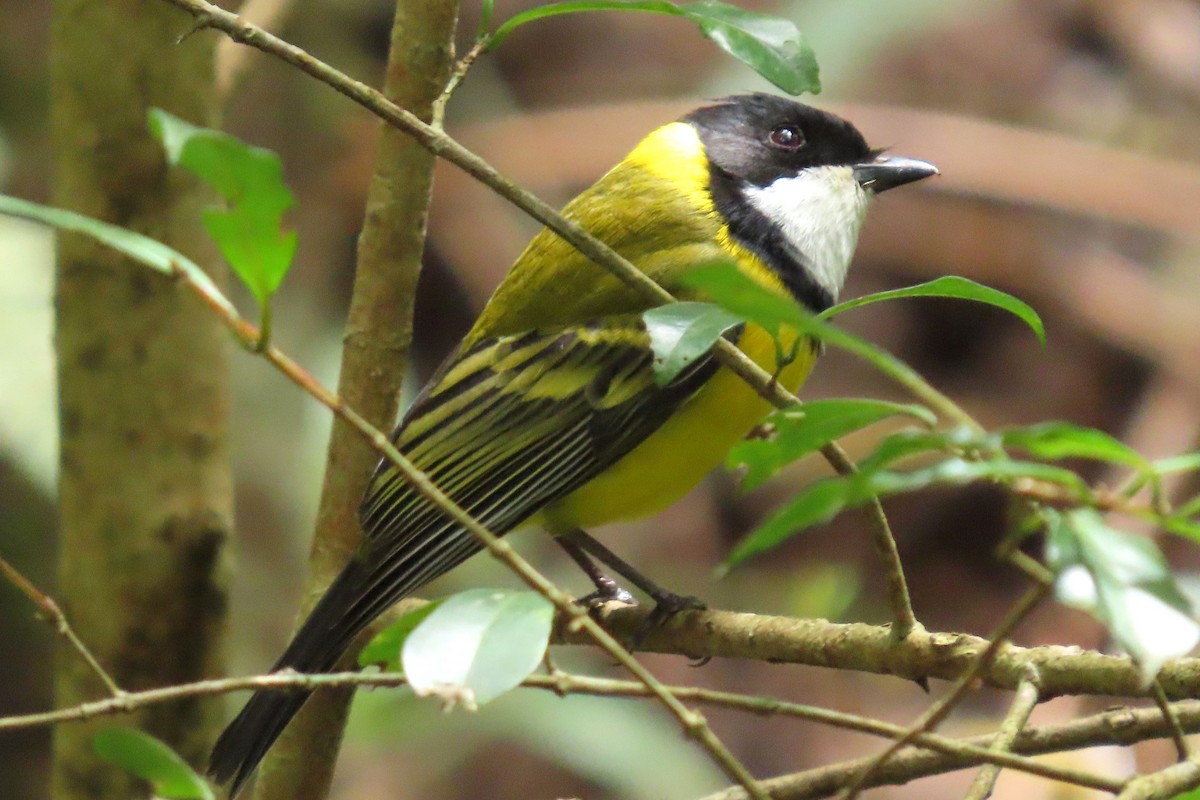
{"type": "Point", "coordinates": [819, 212]}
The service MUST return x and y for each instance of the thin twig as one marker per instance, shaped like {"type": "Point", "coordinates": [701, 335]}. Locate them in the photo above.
{"type": "Point", "coordinates": [231, 61]}
{"type": "Point", "coordinates": [1175, 781]}
{"type": "Point", "coordinates": [1177, 736]}
{"type": "Point", "coordinates": [456, 78]}
{"type": "Point", "coordinates": [561, 684]}
{"type": "Point", "coordinates": [942, 708]}
{"type": "Point", "coordinates": [1025, 700]}
{"type": "Point", "coordinates": [903, 619]}
{"type": "Point", "coordinates": [58, 619]}
{"type": "Point", "coordinates": [442, 145]}
{"type": "Point", "coordinates": [1097, 497]}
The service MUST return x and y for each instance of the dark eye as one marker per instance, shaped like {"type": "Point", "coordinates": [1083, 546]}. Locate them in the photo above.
{"type": "Point", "coordinates": [787, 137]}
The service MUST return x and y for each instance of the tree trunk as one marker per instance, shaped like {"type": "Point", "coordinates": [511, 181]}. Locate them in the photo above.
{"type": "Point", "coordinates": [145, 489]}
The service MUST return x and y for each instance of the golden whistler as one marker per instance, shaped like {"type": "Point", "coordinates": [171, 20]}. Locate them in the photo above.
{"type": "Point", "coordinates": [548, 412]}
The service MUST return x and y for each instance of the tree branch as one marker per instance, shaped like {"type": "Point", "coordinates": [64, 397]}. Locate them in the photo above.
{"type": "Point", "coordinates": [1023, 703]}
{"type": "Point", "coordinates": [54, 615]}
{"type": "Point", "coordinates": [1117, 726]}
{"type": "Point", "coordinates": [868, 648]}
{"type": "Point", "coordinates": [563, 684]}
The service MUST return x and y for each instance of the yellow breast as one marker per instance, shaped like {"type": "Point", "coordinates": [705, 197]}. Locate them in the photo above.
{"type": "Point", "coordinates": [687, 447]}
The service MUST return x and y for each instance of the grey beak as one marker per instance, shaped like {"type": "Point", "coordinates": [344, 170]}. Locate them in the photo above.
{"type": "Point", "coordinates": [888, 172]}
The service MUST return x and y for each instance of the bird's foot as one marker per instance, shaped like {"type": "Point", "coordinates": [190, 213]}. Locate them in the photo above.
{"type": "Point", "coordinates": [607, 591]}
{"type": "Point", "coordinates": [666, 606]}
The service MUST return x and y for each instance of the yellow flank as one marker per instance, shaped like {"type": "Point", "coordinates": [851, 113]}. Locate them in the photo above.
{"type": "Point", "coordinates": [687, 447]}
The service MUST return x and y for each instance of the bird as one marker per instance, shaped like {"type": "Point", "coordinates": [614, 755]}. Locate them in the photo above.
{"type": "Point", "coordinates": [548, 413]}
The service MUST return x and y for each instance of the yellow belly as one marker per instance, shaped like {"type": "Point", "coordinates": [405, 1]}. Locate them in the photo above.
{"type": "Point", "coordinates": [678, 455]}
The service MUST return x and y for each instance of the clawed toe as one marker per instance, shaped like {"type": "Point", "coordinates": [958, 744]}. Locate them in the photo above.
{"type": "Point", "coordinates": [666, 606]}
{"type": "Point", "coordinates": [608, 594]}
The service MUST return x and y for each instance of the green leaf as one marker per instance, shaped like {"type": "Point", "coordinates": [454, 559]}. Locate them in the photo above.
{"type": "Point", "coordinates": [142, 755]}
{"type": "Point", "coordinates": [825, 499]}
{"type": "Point", "coordinates": [907, 444]}
{"type": "Point", "coordinates": [817, 504]}
{"type": "Point", "coordinates": [1181, 526]}
{"type": "Point", "coordinates": [384, 647]}
{"type": "Point", "coordinates": [773, 47]}
{"type": "Point", "coordinates": [680, 333]}
{"type": "Point", "coordinates": [1058, 440]}
{"type": "Point", "coordinates": [251, 181]}
{"type": "Point", "coordinates": [730, 288]}
{"type": "Point", "coordinates": [801, 430]}
{"type": "Point", "coordinates": [477, 645]}
{"type": "Point", "coordinates": [1188, 462]}
{"type": "Point", "coordinates": [486, 10]}
{"type": "Point", "coordinates": [143, 249]}
{"type": "Point", "coordinates": [1125, 583]}
{"type": "Point", "coordinates": [1188, 508]}
{"type": "Point", "coordinates": [955, 287]}
{"type": "Point", "coordinates": [735, 291]}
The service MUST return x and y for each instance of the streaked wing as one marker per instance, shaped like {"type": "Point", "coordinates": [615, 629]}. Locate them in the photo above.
{"type": "Point", "coordinates": [507, 427]}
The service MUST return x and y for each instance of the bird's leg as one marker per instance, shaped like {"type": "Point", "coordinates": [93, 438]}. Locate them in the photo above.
{"type": "Point", "coordinates": [666, 604]}
{"type": "Point", "coordinates": [606, 588]}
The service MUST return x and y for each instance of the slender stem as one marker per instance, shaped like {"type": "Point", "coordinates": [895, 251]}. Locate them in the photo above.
{"type": "Point", "coordinates": [1024, 701]}
{"type": "Point", "coordinates": [58, 619]}
{"type": "Point", "coordinates": [1176, 781]}
{"type": "Point", "coordinates": [562, 684]}
{"type": "Point", "coordinates": [265, 319]}
{"type": "Point", "coordinates": [1177, 736]}
{"type": "Point", "coordinates": [903, 619]}
{"type": "Point", "coordinates": [456, 78]}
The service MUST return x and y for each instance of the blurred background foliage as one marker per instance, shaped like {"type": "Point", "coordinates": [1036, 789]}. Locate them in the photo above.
{"type": "Point", "coordinates": [1066, 132]}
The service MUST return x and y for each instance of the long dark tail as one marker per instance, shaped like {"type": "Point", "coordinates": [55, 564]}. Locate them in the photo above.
{"type": "Point", "coordinates": [317, 646]}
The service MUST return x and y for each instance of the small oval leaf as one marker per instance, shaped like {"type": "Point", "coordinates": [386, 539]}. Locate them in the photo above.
{"type": "Point", "coordinates": [796, 432]}
{"type": "Point", "coordinates": [150, 759]}
{"type": "Point", "coordinates": [825, 499]}
{"type": "Point", "coordinates": [1188, 462]}
{"type": "Point", "coordinates": [477, 645]}
{"type": "Point", "coordinates": [384, 647]}
{"type": "Point", "coordinates": [250, 179]}
{"type": "Point", "coordinates": [955, 287]}
{"type": "Point", "coordinates": [818, 503]}
{"type": "Point", "coordinates": [1124, 582]}
{"type": "Point", "coordinates": [772, 46]}
{"type": "Point", "coordinates": [680, 333]}
{"type": "Point", "coordinates": [1058, 440]}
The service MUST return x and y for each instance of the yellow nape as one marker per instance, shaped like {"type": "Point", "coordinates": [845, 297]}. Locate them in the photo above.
{"type": "Point", "coordinates": [687, 447]}
{"type": "Point", "coordinates": [675, 154]}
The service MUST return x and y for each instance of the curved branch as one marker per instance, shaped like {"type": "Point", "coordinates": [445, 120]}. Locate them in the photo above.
{"type": "Point", "coordinates": [868, 648]}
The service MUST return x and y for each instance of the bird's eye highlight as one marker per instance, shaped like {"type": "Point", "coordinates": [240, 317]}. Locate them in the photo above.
{"type": "Point", "coordinates": [786, 137]}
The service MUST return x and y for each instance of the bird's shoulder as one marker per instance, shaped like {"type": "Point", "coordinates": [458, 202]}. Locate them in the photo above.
{"type": "Point", "coordinates": [660, 228]}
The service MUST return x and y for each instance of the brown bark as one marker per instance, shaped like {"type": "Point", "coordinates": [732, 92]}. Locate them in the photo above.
{"type": "Point", "coordinates": [145, 489]}
{"type": "Point", "coordinates": [374, 359]}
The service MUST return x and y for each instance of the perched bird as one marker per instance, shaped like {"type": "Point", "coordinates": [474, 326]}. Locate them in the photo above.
{"type": "Point", "coordinates": [548, 413]}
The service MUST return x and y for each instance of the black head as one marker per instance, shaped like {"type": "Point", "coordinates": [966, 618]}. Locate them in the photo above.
{"type": "Point", "coordinates": [759, 138]}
